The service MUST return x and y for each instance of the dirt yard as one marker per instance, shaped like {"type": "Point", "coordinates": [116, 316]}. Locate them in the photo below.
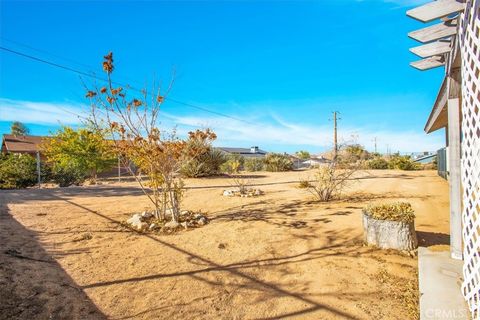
{"type": "Point", "coordinates": [65, 255]}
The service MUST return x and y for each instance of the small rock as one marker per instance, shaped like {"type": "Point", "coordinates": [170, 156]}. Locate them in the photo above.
{"type": "Point", "coordinates": [197, 216]}
{"type": "Point", "coordinates": [135, 219]}
{"type": "Point", "coordinates": [221, 246]}
{"type": "Point", "coordinates": [146, 215]}
{"type": "Point", "coordinates": [202, 221]}
{"type": "Point", "coordinates": [184, 224]}
{"type": "Point", "coordinates": [184, 212]}
{"type": "Point", "coordinates": [153, 226]}
{"type": "Point", "coordinates": [172, 224]}
{"type": "Point", "coordinates": [228, 193]}
{"type": "Point", "coordinates": [257, 192]}
{"type": "Point", "coordinates": [142, 226]}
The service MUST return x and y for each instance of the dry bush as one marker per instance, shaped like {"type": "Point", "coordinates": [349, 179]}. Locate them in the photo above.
{"type": "Point", "coordinates": [243, 185]}
{"type": "Point", "coordinates": [397, 211]}
{"type": "Point", "coordinates": [330, 181]}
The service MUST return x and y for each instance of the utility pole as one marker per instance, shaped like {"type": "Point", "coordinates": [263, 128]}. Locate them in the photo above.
{"type": "Point", "coordinates": [375, 142]}
{"type": "Point", "coordinates": [335, 142]}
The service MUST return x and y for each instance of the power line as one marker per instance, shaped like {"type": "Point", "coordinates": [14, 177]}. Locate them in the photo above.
{"type": "Point", "coordinates": [93, 76]}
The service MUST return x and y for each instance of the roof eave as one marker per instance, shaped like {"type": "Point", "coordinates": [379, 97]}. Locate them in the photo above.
{"type": "Point", "coordinates": [438, 117]}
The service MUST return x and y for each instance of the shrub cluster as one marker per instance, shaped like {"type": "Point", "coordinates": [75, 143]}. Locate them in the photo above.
{"type": "Point", "coordinates": [277, 162]}
{"type": "Point", "coordinates": [206, 164]}
{"type": "Point", "coordinates": [17, 171]}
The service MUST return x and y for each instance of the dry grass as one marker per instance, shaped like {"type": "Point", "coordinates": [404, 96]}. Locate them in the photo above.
{"type": "Point", "coordinates": [397, 211]}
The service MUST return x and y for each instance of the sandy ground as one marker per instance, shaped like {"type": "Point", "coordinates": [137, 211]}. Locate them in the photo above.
{"type": "Point", "coordinates": [64, 255]}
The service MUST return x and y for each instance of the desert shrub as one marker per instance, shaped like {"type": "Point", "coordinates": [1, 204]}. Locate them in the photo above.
{"type": "Point", "coordinates": [278, 162]}
{"type": "Point", "coordinates": [402, 163]}
{"type": "Point", "coordinates": [17, 171]}
{"type": "Point", "coordinates": [376, 163]}
{"type": "Point", "coordinates": [253, 164]}
{"type": "Point", "coordinates": [302, 154]}
{"type": "Point", "coordinates": [330, 181]}
{"type": "Point", "coordinates": [68, 174]}
{"type": "Point", "coordinates": [397, 211]}
{"type": "Point", "coordinates": [205, 164]}
{"type": "Point", "coordinates": [304, 184]}
{"type": "Point", "coordinates": [233, 164]}
{"type": "Point", "coordinates": [70, 150]}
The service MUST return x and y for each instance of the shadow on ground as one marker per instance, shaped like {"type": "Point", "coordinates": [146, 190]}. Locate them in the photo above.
{"type": "Point", "coordinates": [32, 284]}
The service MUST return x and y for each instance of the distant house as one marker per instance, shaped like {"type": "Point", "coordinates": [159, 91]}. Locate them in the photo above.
{"type": "Point", "coordinates": [21, 144]}
{"type": "Point", "coordinates": [252, 152]}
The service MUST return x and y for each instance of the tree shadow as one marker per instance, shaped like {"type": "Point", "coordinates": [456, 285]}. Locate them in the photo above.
{"type": "Point", "coordinates": [32, 284]}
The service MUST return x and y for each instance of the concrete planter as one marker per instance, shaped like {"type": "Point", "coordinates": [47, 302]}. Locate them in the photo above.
{"type": "Point", "coordinates": [388, 234]}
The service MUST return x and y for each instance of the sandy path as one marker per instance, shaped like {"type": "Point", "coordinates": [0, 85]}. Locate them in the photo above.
{"type": "Point", "coordinates": [278, 255]}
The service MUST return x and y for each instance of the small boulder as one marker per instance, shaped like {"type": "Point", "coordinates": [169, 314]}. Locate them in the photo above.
{"type": "Point", "coordinates": [184, 212]}
{"type": "Point", "coordinates": [228, 193]}
{"type": "Point", "coordinates": [135, 219]}
{"type": "Point", "coordinates": [202, 221]}
{"type": "Point", "coordinates": [153, 226]}
{"type": "Point", "coordinates": [146, 215]}
{"type": "Point", "coordinates": [184, 224]}
{"type": "Point", "coordinates": [142, 226]}
{"type": "Point", "coordinates": [172, 225]}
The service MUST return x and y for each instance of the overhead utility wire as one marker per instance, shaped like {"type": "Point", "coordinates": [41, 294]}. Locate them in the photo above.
{"type": "Point", "coordinates": [92, 75]}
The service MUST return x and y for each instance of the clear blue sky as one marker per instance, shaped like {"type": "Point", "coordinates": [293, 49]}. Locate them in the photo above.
{"type": "Point", "coordinates": [282, 66]}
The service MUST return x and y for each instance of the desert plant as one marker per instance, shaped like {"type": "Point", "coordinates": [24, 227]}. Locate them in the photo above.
{"type": "Point", "coordinates": [397, 211]}
{"type": "Point", "coordinates": [402, 163]}
{"type": "Point", "coordinates": [233, 164]}
{"type": "Point", "coordinates": [330, 181]}
{"type": "Point", "coordinates": [76, 153]}
{"type": "Point", "coordinates": [253, 164]}
{"type": "Point", "coordinates": [132, 125]}
{"type": "Point", "coordinates": [67, 175]}
{"type": "Point", "coordinates": [206, 164]}
{"type": "Point", "coordinates": [278, 162]}
{"type": "Point", "coordinates": [241, 184]}
{"type": "Point", "coordinates": [376, 163]}
{"type": "Point", "coordinates": [17, 171]}
{"type": "Point", "coordinates": [304, 184]}
{"type": "Point", "coordinates": [302, 154]}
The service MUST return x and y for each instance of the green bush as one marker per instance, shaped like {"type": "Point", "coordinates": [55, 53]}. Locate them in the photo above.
{"type": "Point", "coordinates": [233, 164]}
{"type": "Point", "coordinates": [253, 164]}
{"type": "Point", "coordinates": [402, 163]}
{"type": "Point", "coordinates": [67, 175]}
{"type": "Point", "coordinates": [277, 162]}
{"type": "Point", "coordinates": [398, 211]}
{"type": "Point", "coordinates": [376, 163]}
{"type": "Point", "coordinates": [17, 171]}
{"type": "Point", "coordinates": [206, 164]}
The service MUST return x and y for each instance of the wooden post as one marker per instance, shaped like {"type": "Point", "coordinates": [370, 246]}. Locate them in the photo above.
{"type": "Point", "coordinates": [118, 165]}
{"type": "Point", "coordinates": [454, 178]}
{"type": "Point", "coordinates": [39, 173]}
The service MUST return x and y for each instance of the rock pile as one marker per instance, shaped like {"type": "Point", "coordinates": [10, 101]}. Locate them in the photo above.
{"type": "Point", "coordinates": [146, 221]}
{"type": "Point", "coordinates": [250, 192]}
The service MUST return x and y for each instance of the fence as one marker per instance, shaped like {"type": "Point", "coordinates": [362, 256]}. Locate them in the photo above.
{"type": "Point", "coordinates": [442, 165]}
{"type": "Point", "coordinates": [469, 36]}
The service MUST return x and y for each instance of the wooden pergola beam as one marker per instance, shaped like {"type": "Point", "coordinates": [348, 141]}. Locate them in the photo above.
{"type": "Point", "coordinates": [435, 32]}
{"type": "Point", "coordinates": [432, 49]}
{"type": "Point", "coordinates": [428, 63]}
{"type": "Point", "coordinates": [435, 10]}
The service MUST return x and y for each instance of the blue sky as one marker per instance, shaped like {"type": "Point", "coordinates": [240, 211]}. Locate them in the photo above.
{"type": "Point", "coordinates": [281, 66]}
